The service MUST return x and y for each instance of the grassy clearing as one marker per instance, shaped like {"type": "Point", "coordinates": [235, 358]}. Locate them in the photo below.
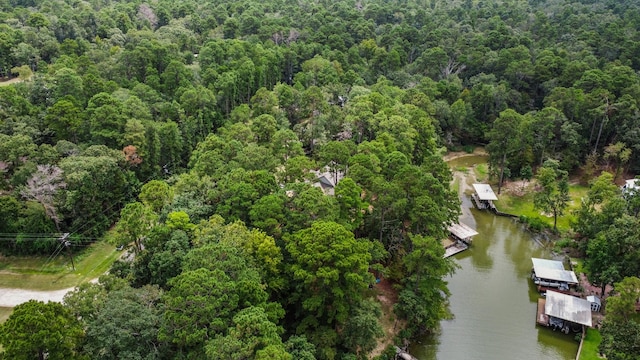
{"type": "Point", "coordinates": [455, 185]}
{"type": "Point", "coordinates": [482, 172]}
{"type": "Point", "coordinates": [590, 345]}
{"type": "Point", "coordinates": [523, 205]}
{"type": "Point", "coordinates": [40, 273]}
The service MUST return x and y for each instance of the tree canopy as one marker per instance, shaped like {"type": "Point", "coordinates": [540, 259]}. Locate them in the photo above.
{"type": "Point", "coordinates": [264, 166]}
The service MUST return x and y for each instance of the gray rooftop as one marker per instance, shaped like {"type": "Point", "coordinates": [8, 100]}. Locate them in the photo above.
{"type": "Point", "coordinates": [553, 270]}
{"type": "Point", "coordinates": [462, 231]}
{"type": "Point", "coordinates": [593, 299]}
{"type": "Point", "coordinates": [485, 192]}
{"type": "Point", "coordinates": [567, 307]}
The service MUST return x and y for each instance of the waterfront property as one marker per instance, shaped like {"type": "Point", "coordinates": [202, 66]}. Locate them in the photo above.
{"type": "Point", "coordinates": [483, 197]}
{"type": "Point", "coordinates": [459, 240]}
{"type": "Point", "coordinates": [550, 274]}
{"type": "Point", "coordinates": [563, 312]}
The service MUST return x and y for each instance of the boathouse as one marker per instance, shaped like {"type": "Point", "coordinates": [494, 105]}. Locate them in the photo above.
{"type": "Point", "coordinates": [462, 232]}
{"type": "Point", "coordinates": [484, 196]}
{"type": "Point", "coordinates": [563, 312]}
{"type": "Point", "coordinates": [459, 240]}
{"type": "Point", "coordinates": [551, 274]}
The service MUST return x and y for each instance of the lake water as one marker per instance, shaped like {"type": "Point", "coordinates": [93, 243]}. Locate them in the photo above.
{"type": "Point", "coordinates": [492, 299]}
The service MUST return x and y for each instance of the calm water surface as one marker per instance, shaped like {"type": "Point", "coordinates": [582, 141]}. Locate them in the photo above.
{"type": "Point", "coordinates": [493, 301]}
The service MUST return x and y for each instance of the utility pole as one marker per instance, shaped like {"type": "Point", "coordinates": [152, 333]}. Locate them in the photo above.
{"type": "Point", "coordinates": [67, 243]}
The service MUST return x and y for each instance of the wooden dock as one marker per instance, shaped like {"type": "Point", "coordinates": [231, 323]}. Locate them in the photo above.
{"type": "Point", "coordinates": [452, 247]}
{"type": "Point", "coordinates": [572, 292]}
{"type": "Point", "coordinates": [541, 317]}
{"type": "Point", "coordinates": [477, 202]}
{"type": "Point", "coordinates": [457, 248]}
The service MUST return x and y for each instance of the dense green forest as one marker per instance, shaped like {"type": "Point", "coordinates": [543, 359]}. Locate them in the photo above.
{"type": "Point", "coordinates": [198, 131]}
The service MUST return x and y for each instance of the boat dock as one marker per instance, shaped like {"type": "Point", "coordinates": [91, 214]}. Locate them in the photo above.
{"type": "Point", "coordinates": [457, 247]}
{"type": "Point", "coordinates": [541, 317]}
{"type": "Point", "coordinates": [459, 240]}
{"type": "Point", "coordinates": [484, 197]}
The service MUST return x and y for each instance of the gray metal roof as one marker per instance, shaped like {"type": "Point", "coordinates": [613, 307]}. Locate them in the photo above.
{"type": "Point", "coordinates": [485, 192]}
{"type": "Point", "coordinates": [567, 307]}
{"type": "Point", "coordinates": [462, 231]}
{"type": "Point", "coordinates": [553, 270]}
{"type": "Point", "coordinates": [593, 299]}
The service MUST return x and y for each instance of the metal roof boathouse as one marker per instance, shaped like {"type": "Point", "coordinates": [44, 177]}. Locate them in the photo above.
{"type": "Point", "coordinates": [459, 240]}
{"type": "Point", "coordinates": [462, 232]}
{"type": "Point", "coordinates": [563, 312]}
{"type": "Point", "coordinates": [551, 274]}
{"type": "Point", "coordinates": [484, 196]}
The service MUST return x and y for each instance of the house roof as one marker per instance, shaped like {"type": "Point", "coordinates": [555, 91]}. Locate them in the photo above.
{"type": "Point", "coordinates": [553, 270]}
{"type": "Point", "coordinates": [462, 231]}
{"type": "Point", "coordinates": [485, 192]}
{"type": "Point", "coordinates": [567, 307]}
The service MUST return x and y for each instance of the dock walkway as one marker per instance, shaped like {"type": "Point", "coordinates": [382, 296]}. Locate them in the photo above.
{"type": "Point", "coordinates": [541, 317]}
{"type": "Point", "coordinates": [452, 250]}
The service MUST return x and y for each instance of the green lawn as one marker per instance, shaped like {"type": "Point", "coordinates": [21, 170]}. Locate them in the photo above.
{"type": "Point", "coordinates": [523, 205]}
{"type": "Point", "coordinates": [481, 172]}
{"type": "Point", "coordinates": [590, 345]}
{"type": "Point", "coordinates": [41, 273]}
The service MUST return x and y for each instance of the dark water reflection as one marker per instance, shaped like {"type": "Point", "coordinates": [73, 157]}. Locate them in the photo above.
{"type": "Point", "coordinates": [493, 302]}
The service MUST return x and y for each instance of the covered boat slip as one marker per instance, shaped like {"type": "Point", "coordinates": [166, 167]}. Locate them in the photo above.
{"type": "Point", "coordinates": [563, 312]}
{"type": "Point", "coordinates": [484, 196]}
{"type": "Point", "coordinates": [459, 240]}
{"type": "Point", "coordinates": [462, 232]}
{"type": "Point", "coordinates": [551, 273]}
{"type": "Point", "coordinates": [568, 308]}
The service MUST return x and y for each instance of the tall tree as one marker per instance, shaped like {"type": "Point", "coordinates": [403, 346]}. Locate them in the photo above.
{"type": "Point", "coordinates": [614, 253]}
{"type": "Point", "coordinates": [125, 325]}
{"type": "Point", "coordinates": [329, 272]}
{"type": "Point", "coordinates": [554, 194]}
{"type": "Point", "coordinates": [423, 298]}
{"type": "Point", "coordinates": [252, 336]}
{"type": "Point", "coordinates": [623, 305]}
{"type": "Point", "coordinates": [504, 141]}
{"type": "Point", "coordinates": [37, 330]}
{"type": "Point", "coordinates": [43, 187]}
{"type": "Point", "coordinates": [135, 222]}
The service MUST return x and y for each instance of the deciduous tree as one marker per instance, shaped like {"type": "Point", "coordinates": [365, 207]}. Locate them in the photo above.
{"type": "Point", "coordinates": [554, 196]}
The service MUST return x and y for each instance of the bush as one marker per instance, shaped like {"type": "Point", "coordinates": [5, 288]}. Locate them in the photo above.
{"type": "Point", "coordinates": [564, 243]}
{"type": "Point", "coordinates": [534, 224]}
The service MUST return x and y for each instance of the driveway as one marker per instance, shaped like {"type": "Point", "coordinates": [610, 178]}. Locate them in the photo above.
{"type": "Point", "coordinates": [15, 297]}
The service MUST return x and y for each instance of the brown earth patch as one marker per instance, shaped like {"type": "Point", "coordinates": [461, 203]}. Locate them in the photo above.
{"type": "Point", "coordinates": [387, 296]}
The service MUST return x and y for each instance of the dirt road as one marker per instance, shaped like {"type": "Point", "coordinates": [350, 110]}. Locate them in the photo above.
{"type": "Point", "coordinates": [15, 297]}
